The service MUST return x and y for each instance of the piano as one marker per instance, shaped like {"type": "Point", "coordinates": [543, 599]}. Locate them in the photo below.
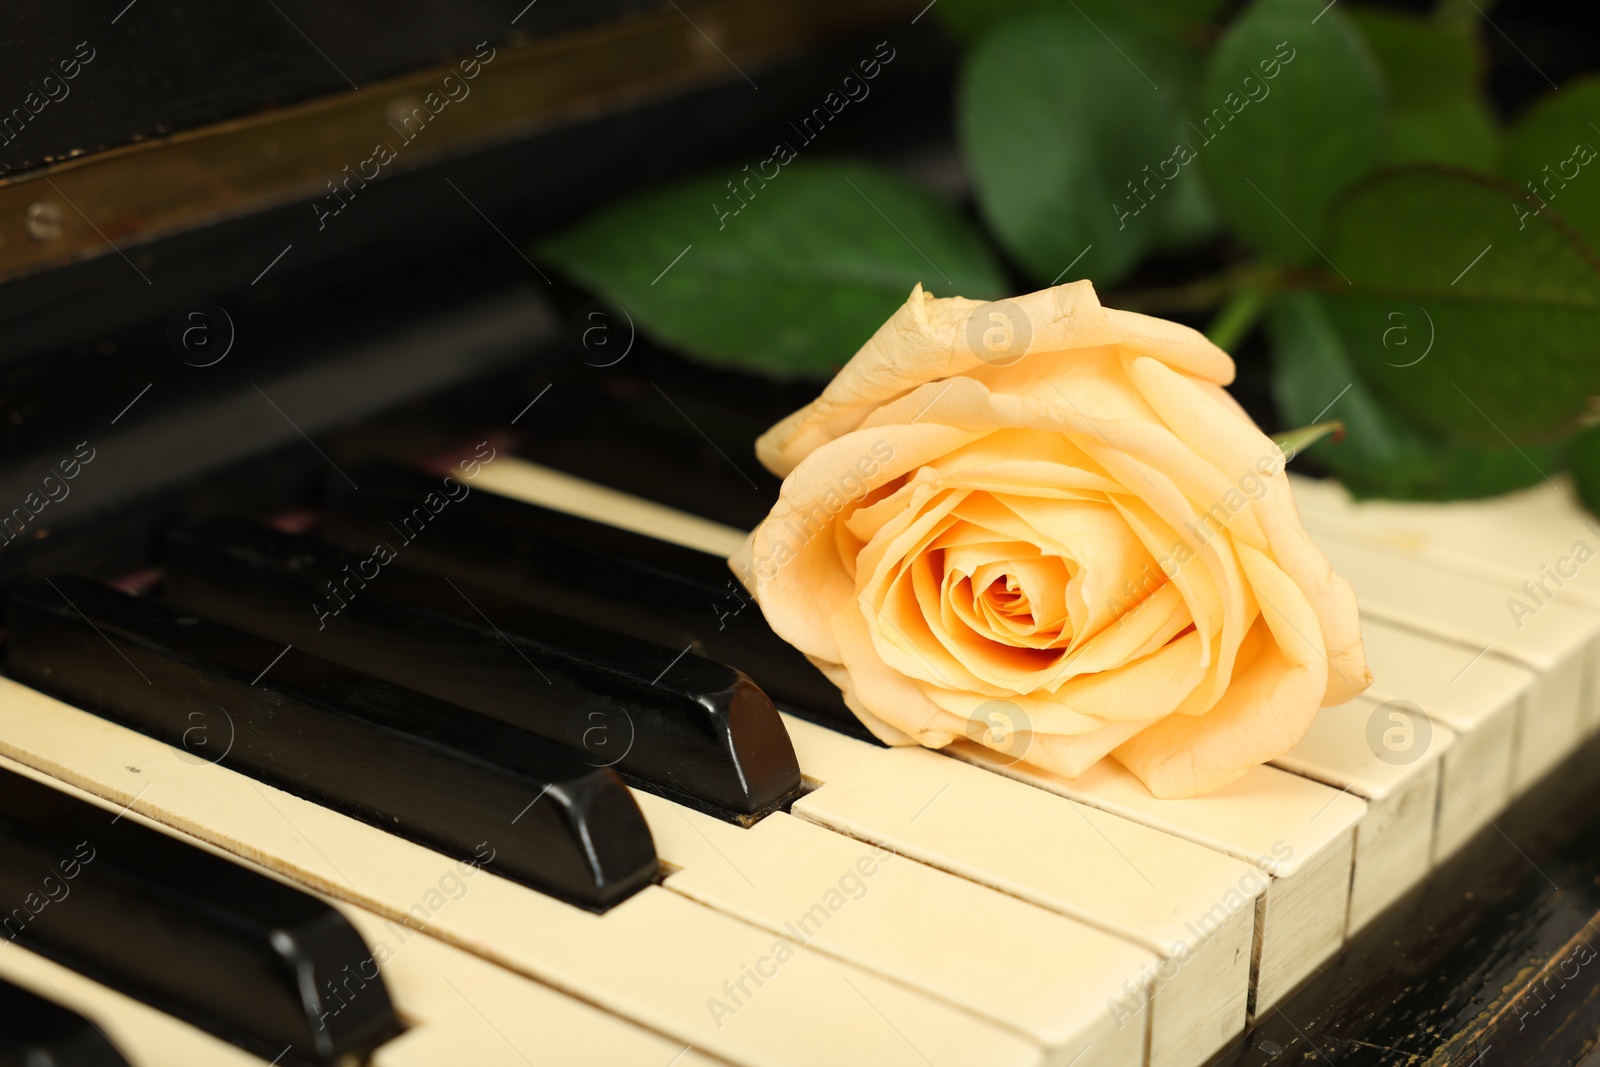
{"type": "Point", "coordinates": [376, 691]}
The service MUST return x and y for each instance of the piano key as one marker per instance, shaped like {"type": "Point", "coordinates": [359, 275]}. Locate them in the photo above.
{"type": "Point", "coordinates": [1560, 643]}
{"type": "Point", "coordinates": [973, 856]}
{"type": "Point", "coordinates": [37, 1032]}
{"type": "Point", "coordinates": [397, 759]}
{"type": "Point", "coordinates": [1394, 842]}
{"type": "Point", "coordinates": [695, 729]}
{"type": "Point", "coordinates": [1192, 906]}
{"type": "Point", "coordinates": [865, 905]}
{"type": "Point", "coordinates": [464, 1009]}
{"type": "Point", "coordinates": [640, 585]}
{"type": "Point", "coordinates": [1538, 542]}
{"type": "Point", "coordinates": [240, 955]}
{"type": "Point", "coordinates": [991, 976]}
{"type": "Point", "coordinates": [1299, 832]}
{"type": "Point", "coordinates": [458, 1007]}
{"type": "Point", "coordinates": [1518, 537]}
{"type": "Point", "coordinates": [657, 958]}
{"type": "Point", "coordinates": [1482, 699]}
{"type": "Point", "coordinates": [142, 1036]}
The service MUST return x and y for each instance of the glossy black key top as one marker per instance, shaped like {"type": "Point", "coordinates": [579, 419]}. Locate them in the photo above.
{"type": "Point", "coordinates": [257, 963]}
{"type": "Point", "coordinates": [470, 786]}
{"type": "Point", "coordinates": [654, 590]}
{"type": "Point", "coordinates": [35, 1032]}
{"type": "Point", "coordinates": [669, 721]}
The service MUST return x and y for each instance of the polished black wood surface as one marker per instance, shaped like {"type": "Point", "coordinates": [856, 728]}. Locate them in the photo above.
{"type": "Point", "coordinates": [35, 1032]}
{"type": "Point", "coordinates": [667, 719]}
{"type": "Point", "coordinates": [249, 959]}
{"type": "Point", "coordinates": [1492, 960]}
{"type": "Point", "coordinates": [153, 70]}
{"type": "Point", "coordinates": [651, 589]}
{"type": "Point", "coordinates": [474, 788]}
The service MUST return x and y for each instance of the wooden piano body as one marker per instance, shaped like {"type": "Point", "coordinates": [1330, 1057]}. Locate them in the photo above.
{"type": "Point", "coordinates": [1414, 882]}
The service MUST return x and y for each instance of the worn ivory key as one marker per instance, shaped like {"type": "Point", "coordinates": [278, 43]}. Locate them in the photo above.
{"type": "Point", "coordinates": [1298, 831]}
{"type": "Point", "coordinates": [1346, 747]}
{"type": "Point", "coordinates": [656, 958]}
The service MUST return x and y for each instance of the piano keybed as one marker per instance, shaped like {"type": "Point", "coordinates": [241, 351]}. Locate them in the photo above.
{"type": "Point", "coordinates": [913, 906]}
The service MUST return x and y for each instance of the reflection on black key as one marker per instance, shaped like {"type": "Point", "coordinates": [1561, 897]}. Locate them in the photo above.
{"type": "Point", "coordinates": [471, 786]}
{"type": "Point", "coordinates": [651, 589]}
{"type": "Point", "coordinates": [249, 959]}
{"type": "Point", "coordinates": [668, 720]}
{"type": "Point", "coordinates": [35, 1032]}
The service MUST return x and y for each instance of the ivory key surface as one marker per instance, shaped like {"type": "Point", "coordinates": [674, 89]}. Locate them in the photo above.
{"type": "Point", "coordinates": [1298, 832]}
{"type": "Point", "coordinates": [1002, 958]}
{"type": "Point", "coordinates": [1394, 839]}
{"type": "Point", "coordinates": [1557, 643]}
{"type": "Point", "coordinates": [656, 959]}
{"type": "Point", "coordinates": [1192, 906]}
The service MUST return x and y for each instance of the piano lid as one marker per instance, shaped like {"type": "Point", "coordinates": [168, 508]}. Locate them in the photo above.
{"type": "Point", "coordinates": [121, 132]}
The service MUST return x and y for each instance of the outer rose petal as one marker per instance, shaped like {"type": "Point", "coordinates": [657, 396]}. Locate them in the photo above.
{"type": "Point", "coordinates": [1094, 532]}
{"type": "Point", "coordinates": [1209, 421]}
{"type": "Point", "coordinates": [927, 339]}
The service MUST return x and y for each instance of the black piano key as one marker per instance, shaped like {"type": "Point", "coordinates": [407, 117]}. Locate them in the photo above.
{"type": "Point", "coordinates": [255, 962]}
{"type": "Point", "coordinates": [463, 783]}
{"type": "Point", "coordinates": [35, 1032]}
{"type": "Point", "coordinates": [651, 589]}
{"type": "Point", "coordinates": [669, 720]}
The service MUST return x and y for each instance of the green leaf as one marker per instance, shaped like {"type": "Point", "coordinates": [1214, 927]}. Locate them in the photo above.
{"type": "Point", "coordinates": [1290, 114]}
{"type": "Point", "coordinates": [792, 282]}
{"type": "Point", "coordinates": [1552, 149]}
{"type": "Point", "coordinates": [1461, 133]}
{"type": "Point", "coordinates": [1434, 73]}
{"type": "Point", "coordinates": [1509, 301]}
{"type": "Point", "coordinates": [1422, 61]}
{"type": "Point", "coordinates": [1314, 377]}
{"type": "Point", "coordinates": [1583, 459]}
{"type": "Point", "coordinates": [1059, 125]}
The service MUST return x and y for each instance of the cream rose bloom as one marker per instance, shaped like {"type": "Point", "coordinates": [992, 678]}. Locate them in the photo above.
{"type": "Point", "coordinates": [1056, 506]}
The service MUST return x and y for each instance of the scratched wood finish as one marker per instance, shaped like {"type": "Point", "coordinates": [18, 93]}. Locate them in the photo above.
{"type": "Point", "coordinates": [1492, 960]}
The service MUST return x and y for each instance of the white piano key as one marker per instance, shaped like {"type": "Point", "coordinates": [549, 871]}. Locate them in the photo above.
{"type": "Point", "coordinates": [144, 1035]}
{"type": "Point", "coordinates": [706, 980]}
{"type": "Point", "coordinates": [1538, 544]}
{"type": "Point", "coordinates": [456, 1006]}
{"type": "Point", "coordinates": [1192, 906]}
{"type": "Point", "coordinates": [1298, 831]}
{"type": "Point", "coordinates": [463, 1009]}
{"type": "Point", "coordinates": [1517, 537]}
{"type": "Point", "coordinates": [1558, 643]}
{"type": "Point", "coordinates": [884, 913]}
{"type": "Point", "coordinates": [1483, 699]}
{"type": "Point", "coordinates": [1204, 1005]}
{"type": "Point", "coordinates": [1394, 840]}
